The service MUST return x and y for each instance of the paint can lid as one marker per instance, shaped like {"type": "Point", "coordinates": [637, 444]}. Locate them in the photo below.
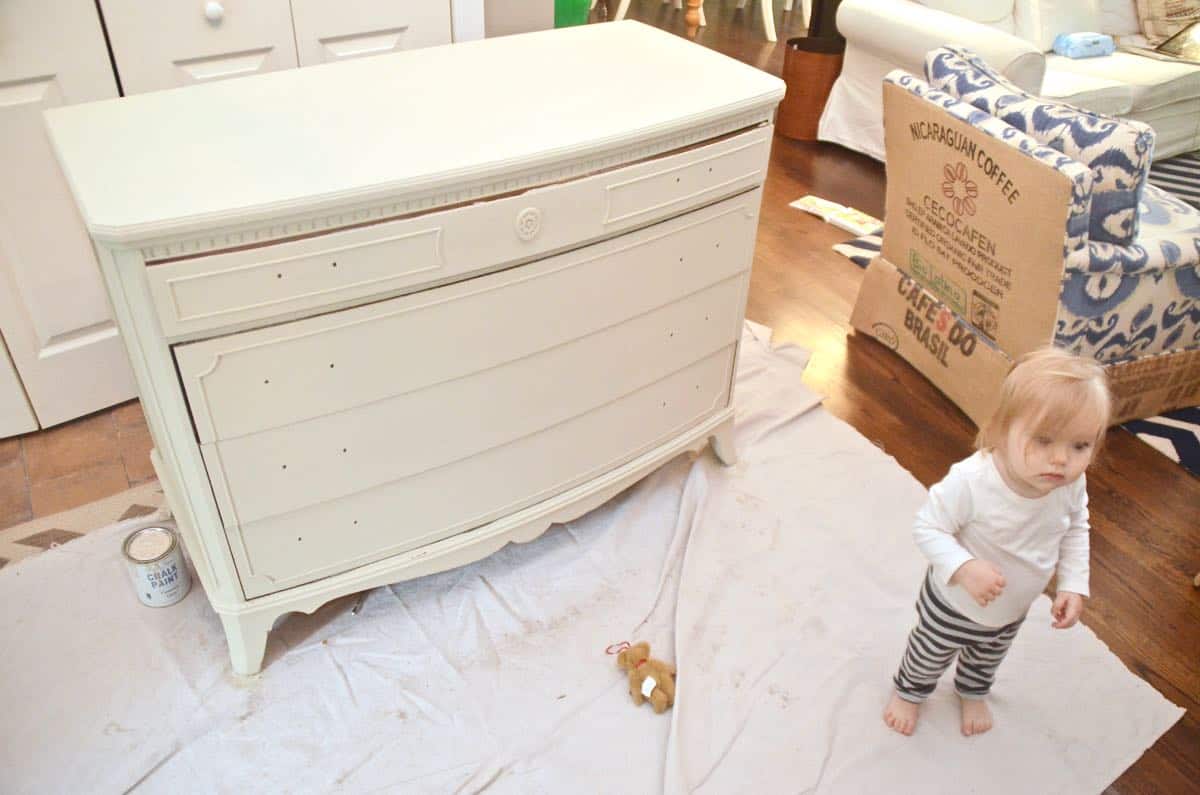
{"type": "Point", "coordinates": [149, 544]}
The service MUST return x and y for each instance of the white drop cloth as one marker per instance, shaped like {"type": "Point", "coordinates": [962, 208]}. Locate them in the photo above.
{"type": "Point", "coordinates": [783, 588]}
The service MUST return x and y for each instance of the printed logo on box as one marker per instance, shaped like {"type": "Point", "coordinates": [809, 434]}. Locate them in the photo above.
{"type": "Point", "coordinates": [937, 282]}
{"type": "Point", "coordinates": [985, 314]}
{"type": "Point", "coordinates": [887, 335]}
{"type": "Point", "coordinates": [960, 189]}
{"type": "Point", "coordinates": [956, 246]}
{"type": "Point", "coordinates": [932, 324]}
{"type": "Point", "coordinates": [973, 152]}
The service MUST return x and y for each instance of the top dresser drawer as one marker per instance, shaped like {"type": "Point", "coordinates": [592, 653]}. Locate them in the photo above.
{"type": "Point", "coordinates": [243, 288]}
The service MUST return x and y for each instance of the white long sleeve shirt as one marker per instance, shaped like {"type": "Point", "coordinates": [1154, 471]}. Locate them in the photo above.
{"type": "Point", "coordinates": [972, 513]}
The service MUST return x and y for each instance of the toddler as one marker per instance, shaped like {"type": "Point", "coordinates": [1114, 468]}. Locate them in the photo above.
{"type": "Point", "coordinates": [996, 527]}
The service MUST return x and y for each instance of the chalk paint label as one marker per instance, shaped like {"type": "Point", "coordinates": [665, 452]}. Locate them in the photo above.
{"type": "Point", "coordinates": [156, 566]}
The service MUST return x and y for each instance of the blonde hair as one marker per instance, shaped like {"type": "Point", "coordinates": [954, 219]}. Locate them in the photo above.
{"type": "Point", "coordinates": [1049, 387]}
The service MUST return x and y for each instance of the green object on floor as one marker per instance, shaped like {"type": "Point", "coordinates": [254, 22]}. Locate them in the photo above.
{"type": "Point", "coordinates": [571, 12]}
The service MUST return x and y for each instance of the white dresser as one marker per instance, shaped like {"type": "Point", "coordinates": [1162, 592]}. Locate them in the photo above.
{"type": "Point", "coordinates": [387, 315]}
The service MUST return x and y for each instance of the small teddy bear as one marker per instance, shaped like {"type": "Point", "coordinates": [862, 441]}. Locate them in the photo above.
{"type": "Point", "coordinates": [648, 678]}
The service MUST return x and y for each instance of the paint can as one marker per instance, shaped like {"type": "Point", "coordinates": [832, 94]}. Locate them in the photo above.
{"type": "Point", "coordinates": [156, 566]}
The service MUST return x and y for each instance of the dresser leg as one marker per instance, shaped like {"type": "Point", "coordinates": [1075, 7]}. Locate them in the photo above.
{"type": "Point", "coordinates": [722, 443]}
{"type": "Point", "coordinates": [246, 634]}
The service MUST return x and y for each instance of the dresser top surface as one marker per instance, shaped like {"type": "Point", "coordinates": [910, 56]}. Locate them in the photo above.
{"type": "Point", "coordinates": [310, 139]}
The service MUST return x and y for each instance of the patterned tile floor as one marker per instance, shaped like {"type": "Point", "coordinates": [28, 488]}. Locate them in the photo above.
{"type": "Point", "coordinates": [29, 538]}
{"type": "Point", "coordinates": [54, 470]}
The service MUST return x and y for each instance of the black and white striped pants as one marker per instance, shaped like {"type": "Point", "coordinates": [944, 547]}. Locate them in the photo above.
{"type": "Point", "coordinates": [941, 633]}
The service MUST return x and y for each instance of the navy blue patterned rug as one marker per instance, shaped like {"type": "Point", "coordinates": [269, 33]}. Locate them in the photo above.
{"type": "Point", "coordinates": [1179, 175]}
{"type": "Point", "coordinates": [1175, 434]}
{"type": "Point", "coordinates": [861, 250]}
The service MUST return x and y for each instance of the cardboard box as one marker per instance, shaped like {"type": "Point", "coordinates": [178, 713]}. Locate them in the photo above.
{"type": "Point", "coordinates": [976, 222]}
{"type": "Point", "coordinates": [910, 320]}
{"type": "Point", "coordinates": [970, 272]}
{"type": "Point", "coordinates": [901, 314]}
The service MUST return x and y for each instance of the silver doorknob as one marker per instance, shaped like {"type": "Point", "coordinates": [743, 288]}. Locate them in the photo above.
{"type": "Point", "coordinates": [214, 11]}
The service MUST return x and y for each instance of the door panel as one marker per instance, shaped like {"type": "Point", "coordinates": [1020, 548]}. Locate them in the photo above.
{"type": "Point", "coordinates": [331, 31]}
{"type": "Point", "coordinates": [54, 313]}
{"type": "Point", "coordinates": [170, 43]}
{"type": "Point", "coordinates": [15, 415]}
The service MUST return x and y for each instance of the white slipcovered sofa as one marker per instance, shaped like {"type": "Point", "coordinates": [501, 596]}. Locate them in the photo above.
{"type": "Point", "coordinates": [1014, 37]}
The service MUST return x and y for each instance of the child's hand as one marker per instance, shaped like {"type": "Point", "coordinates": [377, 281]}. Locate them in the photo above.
{"type": "Point", "coordinates": [981, 579]}
{"type": "Point", "coordinates": [1066, 609]}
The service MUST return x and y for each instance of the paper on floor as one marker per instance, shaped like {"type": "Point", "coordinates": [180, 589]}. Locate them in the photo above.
{"type": "Point", "coordinates": [789, 579]}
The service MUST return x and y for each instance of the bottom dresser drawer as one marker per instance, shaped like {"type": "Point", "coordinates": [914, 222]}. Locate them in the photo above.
{"type": "Point", "coordinates": [305, 545]}
{"type": "Point", "coordinates": [342, 439]}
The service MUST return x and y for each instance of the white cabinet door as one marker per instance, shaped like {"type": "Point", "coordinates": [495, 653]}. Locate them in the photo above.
{"type": "Point", "coordinates": [15, 415]}
{"type": "Point", "coordinates": [54, 313]}
{"type": "Point", "coordinates": [330, 30]}
{"type": "Point", "coordinates": [169, 43]}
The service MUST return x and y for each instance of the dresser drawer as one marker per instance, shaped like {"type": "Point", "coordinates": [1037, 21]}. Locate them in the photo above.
{"type": "Point", "coordinates": [337, 440]}
{"type": "Point", "coordinates": [243, 288]}
{"type": "Point", "coordinates": [430, 504]}
{"type": "Point", "coordinates": [277, 376]}
{"type": "Point", "coordinates": [272, 472]}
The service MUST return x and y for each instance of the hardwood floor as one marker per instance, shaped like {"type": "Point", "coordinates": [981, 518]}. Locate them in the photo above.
{"type": "Point", "coordinates": [73, 464]}
{"type": "Point", "coordinates": [1145, 509]}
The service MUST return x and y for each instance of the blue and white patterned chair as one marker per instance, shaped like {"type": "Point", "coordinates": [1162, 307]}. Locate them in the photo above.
{"type": "Point", "coordinates": [1130, 282]}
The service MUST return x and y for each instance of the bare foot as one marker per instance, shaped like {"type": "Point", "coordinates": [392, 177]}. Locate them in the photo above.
{"type": "Point", "coordinates": [976, 716]}
{"type": "Point", "coordinates": [901, 715]}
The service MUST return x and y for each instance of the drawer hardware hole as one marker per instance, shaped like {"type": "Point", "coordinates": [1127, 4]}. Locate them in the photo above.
{"type": "Point", "coordinates": [330, 365]}
{"type": "Point", "coordinates": [279, 276]}
{"type": "Point", "coordinates": [266, 380]}
{"type": "Point", "coordinates": [334, 265]}
{"type": "Point", "coordinates": [356, 521]}
{"type": "Point", "coordinates": [285, 466]}
{"type": "Point", "coordinates": [299, 538]}
{"type": "Point", "coordinates": [343, 449]}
